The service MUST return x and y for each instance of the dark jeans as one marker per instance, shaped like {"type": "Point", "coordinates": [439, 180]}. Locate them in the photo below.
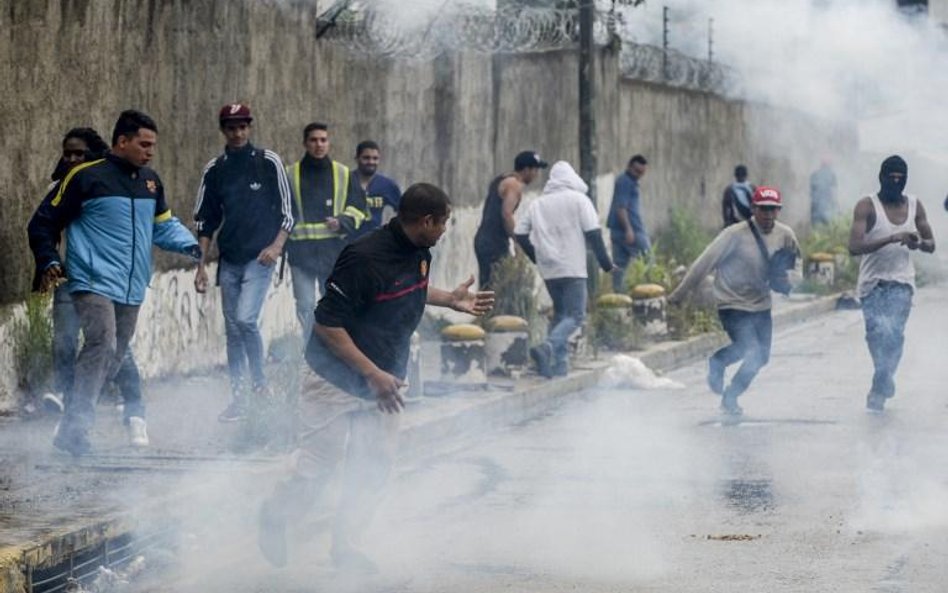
{"type": "Point", "coordinates": [569, 310]}
{"type": "Point", "coordinates": [886, 310]}
{"type": "Point", "coordinates": [65, 346]}
{"type": "Point", "coordinates": [751, 335]}
{"type": "Point", "coordinates": [108, 328]}
{"type": "Point", "coordinates": [487, 256]}
{"type": "Point", "coordinates": [622, 255]}
{"type": "Point", "coordinates": [305, 280]}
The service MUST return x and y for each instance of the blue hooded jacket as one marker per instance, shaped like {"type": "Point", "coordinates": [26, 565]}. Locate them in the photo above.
{"type": "Point", "coordinates": [112, 212]}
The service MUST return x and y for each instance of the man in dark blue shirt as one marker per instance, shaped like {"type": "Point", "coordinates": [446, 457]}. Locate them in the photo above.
{"type": "Point", "coordinates": [626, 230]}
{"type": "Point", "coordinates": [245, 193]}
{"type": "Point", "coordinates": [382, 194]}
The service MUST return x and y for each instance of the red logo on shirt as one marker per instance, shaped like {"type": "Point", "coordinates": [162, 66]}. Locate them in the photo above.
{"type": "Point", "coordinates": [151, 186]}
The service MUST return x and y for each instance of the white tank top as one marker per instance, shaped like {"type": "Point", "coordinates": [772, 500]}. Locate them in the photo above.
{"type": "Point", "coordinates": [892, 263]}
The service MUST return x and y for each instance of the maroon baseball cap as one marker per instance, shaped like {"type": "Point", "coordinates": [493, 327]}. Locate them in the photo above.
{"type": "Point", "coordinates": [234, 112]}
{"type": "Point", "coordinates": [767, 196]}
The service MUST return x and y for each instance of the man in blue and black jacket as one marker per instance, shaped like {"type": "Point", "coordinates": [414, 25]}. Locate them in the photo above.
{"type": "Point", "coordinates": [113, 210]}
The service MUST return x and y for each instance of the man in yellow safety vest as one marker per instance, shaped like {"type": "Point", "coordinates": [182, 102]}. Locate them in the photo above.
{"type": "Point", "coordinates": [328, 207]}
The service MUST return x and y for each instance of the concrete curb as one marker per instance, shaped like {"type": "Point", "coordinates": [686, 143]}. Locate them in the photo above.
{"type": "Point", "coordinates": [475, 414]}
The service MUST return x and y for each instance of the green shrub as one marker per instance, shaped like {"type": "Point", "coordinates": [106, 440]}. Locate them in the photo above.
{"type": "Point", "coordinates": [831, 238]}
{"type": "Point", "coordinates": [514, 283]}
{"type": "Point", "coordinates": [643, 270]}
{"type": "Point", "coordinates": [683, 240]}
{"type": "Point", "coordinates": [33, 345]}
{"type": "Point", "coordinates": [610, 332]}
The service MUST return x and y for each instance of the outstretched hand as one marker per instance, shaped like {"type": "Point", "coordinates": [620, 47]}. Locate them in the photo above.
{"type": "Point", "coordinates": [474, 303]}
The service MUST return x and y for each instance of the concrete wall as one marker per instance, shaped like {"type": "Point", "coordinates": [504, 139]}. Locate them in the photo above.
{"type": "Point", "coordinates": [455, 121]}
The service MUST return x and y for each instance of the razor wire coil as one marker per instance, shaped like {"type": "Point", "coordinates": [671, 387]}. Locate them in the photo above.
{"type": "Point", "coordinates": [518, 30]}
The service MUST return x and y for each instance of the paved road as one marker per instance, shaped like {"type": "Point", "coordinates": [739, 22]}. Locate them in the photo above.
{"type": "Point", "coordinates": [648, 491]}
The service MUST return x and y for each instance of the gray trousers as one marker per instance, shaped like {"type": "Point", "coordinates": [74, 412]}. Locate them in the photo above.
{"type": "Point", "coordinates": [107, 328]}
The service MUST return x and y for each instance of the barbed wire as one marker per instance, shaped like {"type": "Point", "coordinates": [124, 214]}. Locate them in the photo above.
{"type": "Point", "coordinates": [517, 30]}
{"type": "Point", "coordinates": [654, 64]}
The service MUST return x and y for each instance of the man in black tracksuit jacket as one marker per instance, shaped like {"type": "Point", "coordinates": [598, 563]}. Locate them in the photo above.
{"type": "Point", "coordinates": [244, 193]}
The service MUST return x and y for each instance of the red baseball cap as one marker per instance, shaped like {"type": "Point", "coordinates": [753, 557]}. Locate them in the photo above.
{"type": "Point", "coordinates": [766, 196]}
{"type": "Point", "coordinates": [234, 112]}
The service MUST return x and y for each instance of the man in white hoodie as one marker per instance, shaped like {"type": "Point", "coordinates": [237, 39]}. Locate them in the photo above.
{"type": "Point", "coordinates": [553, 232]}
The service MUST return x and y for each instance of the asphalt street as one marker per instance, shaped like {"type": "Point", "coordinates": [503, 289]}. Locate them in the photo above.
{"type": "Point", "coordinates": [627, 490]}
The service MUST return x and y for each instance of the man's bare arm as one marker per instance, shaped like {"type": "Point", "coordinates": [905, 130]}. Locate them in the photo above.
{"type": "Point", "coordinates": [927, 243]}
{"type": "Point", "coordinates": [511, 192]}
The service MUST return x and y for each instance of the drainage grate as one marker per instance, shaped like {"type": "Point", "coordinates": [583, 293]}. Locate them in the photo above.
{"type": "Point", "coordinates": [83, 565]}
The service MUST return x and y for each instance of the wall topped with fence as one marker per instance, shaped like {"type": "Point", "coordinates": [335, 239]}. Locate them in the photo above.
{"type": "Point", "coordinates": [519, 30]}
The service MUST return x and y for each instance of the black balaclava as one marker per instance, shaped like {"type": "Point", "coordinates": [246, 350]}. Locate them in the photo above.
{"type": "Point", "coordinates": [889, 189]}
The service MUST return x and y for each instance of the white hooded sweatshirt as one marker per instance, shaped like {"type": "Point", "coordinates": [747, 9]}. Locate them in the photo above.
{"type": "Point", "coordinates": [556, 223]}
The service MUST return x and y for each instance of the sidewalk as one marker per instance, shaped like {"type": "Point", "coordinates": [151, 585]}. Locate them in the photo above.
{"type": "Point", "coordinates": [55, 510]}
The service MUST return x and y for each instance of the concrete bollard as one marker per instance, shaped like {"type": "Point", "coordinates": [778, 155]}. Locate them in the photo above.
{"type": "Point", "coordinates": [614, 327]}
{"type": "Point", "coordinates": [463, 355]}
{"type": "Point", "coordinates": [821, 268]}
{"type": "Point", "coordinates": [506, 345]}
{"type": "Point", "coordinates": [649, 308]}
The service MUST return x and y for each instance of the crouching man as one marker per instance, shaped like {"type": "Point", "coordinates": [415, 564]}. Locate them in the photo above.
{"type": "Point", "coordinates": [356, 361]}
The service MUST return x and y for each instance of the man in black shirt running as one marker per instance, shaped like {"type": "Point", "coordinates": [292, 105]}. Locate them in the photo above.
{"type": "Point", "coordinates": [356, 361]}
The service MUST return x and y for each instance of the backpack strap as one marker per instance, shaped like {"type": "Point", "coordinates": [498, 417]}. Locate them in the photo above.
{"type": "Point", "coordinates": [760, 241]}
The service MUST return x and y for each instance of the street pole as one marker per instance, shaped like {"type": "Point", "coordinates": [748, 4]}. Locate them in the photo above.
{"type": "Point", "coordinates": [587, 116]}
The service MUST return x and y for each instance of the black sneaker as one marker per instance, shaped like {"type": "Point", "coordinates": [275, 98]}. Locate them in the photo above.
{"type": "Point", "coordinates": [74, 442]}
{"type": "Point", "coordinates": [348, 559]}
{"type": "Point", "coordinates": [541, 356]}
{"type": "Point", "coordinates": [715, 376]}
{"type": "Point", "coordinates": [271, 535]}
{"type": "Point", "coordinates": [232, 413]}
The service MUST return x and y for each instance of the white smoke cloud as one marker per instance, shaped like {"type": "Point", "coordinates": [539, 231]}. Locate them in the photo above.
{"type": "Point", "coordinates": [861, 59]}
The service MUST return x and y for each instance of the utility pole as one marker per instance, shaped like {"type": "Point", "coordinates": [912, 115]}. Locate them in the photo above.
{"type": "Point", "coordinates": [710, 40]}
{"type": "Point", "coordinates": [587, 116]}
{"type": "Point", "coordinates": [587, 95]}
{"type": "Point", "coordinates": [665, 42]}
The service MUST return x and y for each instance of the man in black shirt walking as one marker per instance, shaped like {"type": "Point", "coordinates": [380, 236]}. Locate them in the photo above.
{"type": "Point", "coordinates": [245, 193]}
{"type": "Point", "coordinates": [356, 361]}
{"type": "Point", "coordinates": [492, 240]}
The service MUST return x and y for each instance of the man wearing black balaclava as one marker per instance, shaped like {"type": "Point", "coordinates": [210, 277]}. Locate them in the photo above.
{"type": "Point", "coordinates": [887, 227]}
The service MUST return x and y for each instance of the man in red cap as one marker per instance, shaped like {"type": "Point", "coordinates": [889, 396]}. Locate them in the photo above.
{"type": "Point", "coordinates": [249, 184]}
{"type": "Point", "coordinates": [745, 259]}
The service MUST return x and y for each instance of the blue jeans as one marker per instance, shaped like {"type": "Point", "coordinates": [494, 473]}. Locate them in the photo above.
{"type": "Point", "coordinates": [304, 293]}
{"type": "Point", "coordinates": [569, 311]}
{"type": "Point", "coordinates": [751, 335]}
{"type": "Point", "coordinates": [886, 310]}
{"type": "Point", "coordinates": [243, 291]}
{"type": "Point", "coordinates": [66, 329]}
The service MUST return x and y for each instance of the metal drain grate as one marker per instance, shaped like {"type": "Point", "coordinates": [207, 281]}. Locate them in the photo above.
{"type": "Point", "coordinates": [83, 565]}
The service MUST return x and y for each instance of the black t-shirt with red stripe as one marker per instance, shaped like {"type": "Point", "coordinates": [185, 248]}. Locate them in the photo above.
{"type": "Point", "coordinates": [377, 293]}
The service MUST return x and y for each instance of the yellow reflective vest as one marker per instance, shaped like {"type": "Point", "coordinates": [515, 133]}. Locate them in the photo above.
{"type": "Point", "coordinates": [307, 230]}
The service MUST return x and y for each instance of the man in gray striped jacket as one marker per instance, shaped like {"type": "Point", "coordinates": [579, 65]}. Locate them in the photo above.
{"type": "Point", "coordinates": [245, 195]}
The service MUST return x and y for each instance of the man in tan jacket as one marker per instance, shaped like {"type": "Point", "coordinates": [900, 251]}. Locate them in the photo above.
{"type": "Point", "coordinates": [742, 292]}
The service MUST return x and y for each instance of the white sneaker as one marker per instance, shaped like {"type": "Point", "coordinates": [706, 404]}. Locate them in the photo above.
{"type": "Point", "coordinates": [137, 432]}
{"type": "Point", "coordinates": [53, 402]}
